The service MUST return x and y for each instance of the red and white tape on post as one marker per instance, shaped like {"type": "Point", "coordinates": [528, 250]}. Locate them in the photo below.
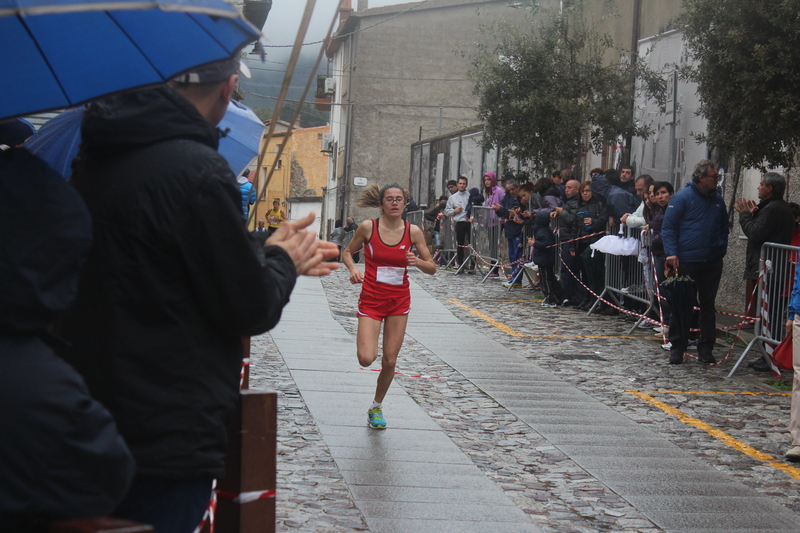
{"type": "Point", "coordinates": [245, 363]}
{"type": "Point", "coordinates": [246, 497]}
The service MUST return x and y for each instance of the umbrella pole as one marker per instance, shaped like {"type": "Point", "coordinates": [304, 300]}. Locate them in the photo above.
{"type": "Point", "coordinates": [287, 79]}
{"type": "Point", "coordinates": [304, 24]}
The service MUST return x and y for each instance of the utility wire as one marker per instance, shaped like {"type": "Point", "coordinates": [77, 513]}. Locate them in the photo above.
{"type": "Point", "coordinates": [352, 32]}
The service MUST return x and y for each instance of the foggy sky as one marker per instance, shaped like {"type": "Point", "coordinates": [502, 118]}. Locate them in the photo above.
{"type": "Point", "coordinates": [285, 15]}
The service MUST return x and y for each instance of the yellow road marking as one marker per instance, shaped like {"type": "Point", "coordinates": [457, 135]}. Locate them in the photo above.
{"type": "Point", "coordinates": [506, 329]}
{"type": "Point", "coordinates": [718, 392]}
{"type": "Point", "coordinates": [719, 435]}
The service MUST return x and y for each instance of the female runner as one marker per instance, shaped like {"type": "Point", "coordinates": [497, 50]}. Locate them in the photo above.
{"type": "Point", "coordinates": [385, 296]}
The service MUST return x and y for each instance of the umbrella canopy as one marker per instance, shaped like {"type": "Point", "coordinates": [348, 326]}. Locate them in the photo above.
{"type": "Point", "coordinates": [57, 142]}
{"type": "Point", "coordinates": [60, 53]}
{"type": "Point", "coordinates": [242, 139]}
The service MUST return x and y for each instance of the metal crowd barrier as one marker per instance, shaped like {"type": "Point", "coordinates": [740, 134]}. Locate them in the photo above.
{"type": "Point", "coordinates": [447, 240]}
{"type": "Point", "coordinates": [416, 218]}
{"type": "Point", "coordinates": [557, 248]}
{"type": "Point", "coordinates": [527, 257]}
{"type": "Point", "coordinates": [348, 236]}
{"type": "Point", "coordinates": [777, 265]}
{"type": "Point", "coordinates": [484, 238]}
{"type": "Point", "coordinates": [625, 277]}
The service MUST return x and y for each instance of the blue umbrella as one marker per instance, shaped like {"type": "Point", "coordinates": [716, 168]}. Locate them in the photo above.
{"type": "Point", "coordinates": [58, 140]}
{"type": "Point", "coordinates": [61, 53]}
{"type": "Point", "coordinates": [243, 136]}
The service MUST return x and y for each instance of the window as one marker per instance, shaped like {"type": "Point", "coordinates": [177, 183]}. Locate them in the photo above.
{"type": "Point", "coordinates": [279, 165]}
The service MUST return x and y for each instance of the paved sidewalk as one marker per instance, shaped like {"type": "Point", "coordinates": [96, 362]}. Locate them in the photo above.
{"type": "Point", "coordinates": [409, 478]}
{"type": "Point", "coordinates": [414, 477]}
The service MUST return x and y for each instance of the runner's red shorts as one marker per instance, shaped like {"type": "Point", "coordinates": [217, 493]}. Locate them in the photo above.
{"type": "Point", "coordinates": [378, 309]}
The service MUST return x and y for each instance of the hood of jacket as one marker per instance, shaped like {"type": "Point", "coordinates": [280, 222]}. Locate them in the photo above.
{"type": "Point", "coordinates": [45, 234]}
{"type": "Point", "coordinates": [542, 220]}
{"type": "Point", "coordinates": [552, 191]}
{"type": "Point", "coordinates": [492, 177]}
{"type": "Point", "coordinates": [128, 121]}
{"type": "Point", "coordinates": [475, 196]}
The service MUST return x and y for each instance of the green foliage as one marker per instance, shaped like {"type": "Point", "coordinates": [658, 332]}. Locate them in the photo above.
{"type": "Point", "coordinates": [546, 83]}
{"type": "Point", "coordinates": [778, 384]}
{"type": "Point", "coordinates": [747, 67]}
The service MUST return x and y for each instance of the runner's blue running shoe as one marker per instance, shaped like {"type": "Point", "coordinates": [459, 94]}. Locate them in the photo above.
{"type": "Point", "coordinates": [376, 420]}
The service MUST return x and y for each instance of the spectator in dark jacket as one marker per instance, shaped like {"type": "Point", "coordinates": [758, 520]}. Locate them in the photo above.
{"type": "Point", "coordinates": [592, 219]}
{"type": "Point", "coordinates": [662, 191]}
{"type": "Point", "coordinates": [568, 225]}
{"type": "Point", "coordinates": [618, 201]}
{"type": "Point", "coordinates": [695, 237]}
{"type": "Point", "coordinates": [172, 283]}
{"type": "Point", "coordinates": [411, 205]}
{"type": "Point", "coordinates": [626, 179]}
{"type": "Point", "coordinates": [435, 216]}
{"type": "Point", "coordinates": [475, 198]}
{"type": "Point", "coordinates": [544, 255]}
{"type": "Point", "coordinates": [61, 456]}
{"type": "Point", "coordinates": [508, 208]}
{"type": "Point", "coordinates": [549, 197]}
{"type": "Point", "coordinates": [769, 221]}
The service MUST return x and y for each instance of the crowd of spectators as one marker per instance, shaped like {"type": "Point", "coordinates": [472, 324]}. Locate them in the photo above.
{"type": "Point", "coordinates": [550, 225]}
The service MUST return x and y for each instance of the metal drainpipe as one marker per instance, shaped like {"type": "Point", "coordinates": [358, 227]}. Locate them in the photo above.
{"type": "Point", "coordinates": [635, 31]}
{"type": "Point", "coordinates": [348, 178]}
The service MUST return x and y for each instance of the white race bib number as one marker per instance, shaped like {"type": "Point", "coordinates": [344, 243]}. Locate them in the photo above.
{"type": "Point", "coordinates": [390, 275]}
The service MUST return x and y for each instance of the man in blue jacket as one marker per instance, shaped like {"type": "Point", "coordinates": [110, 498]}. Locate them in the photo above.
{"type": "Point", "coordinates": [695, 236]}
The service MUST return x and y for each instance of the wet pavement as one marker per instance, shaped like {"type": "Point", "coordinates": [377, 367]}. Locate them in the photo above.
{"type": "Point", "coordinates": [522, 418]}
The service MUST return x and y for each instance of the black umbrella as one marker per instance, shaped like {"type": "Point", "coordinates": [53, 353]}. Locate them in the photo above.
{"type": "Point", "coordinates": [681, 294]}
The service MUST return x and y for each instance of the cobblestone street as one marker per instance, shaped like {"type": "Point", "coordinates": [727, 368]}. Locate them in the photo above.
{"type": "Point", "coordinates": [628, 374]}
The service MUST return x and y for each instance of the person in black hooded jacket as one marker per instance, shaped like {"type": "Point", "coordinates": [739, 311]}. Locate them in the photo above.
{"type": "Point", "coordinates": [544, 255]}
{"type": "Point", "coordinates": [173, 282]}
{"type": "Point", "coordinates": [61, 456]}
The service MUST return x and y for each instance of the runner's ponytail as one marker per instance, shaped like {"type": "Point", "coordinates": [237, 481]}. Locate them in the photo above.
{"type": "Point", "coordinates": [373, 196]}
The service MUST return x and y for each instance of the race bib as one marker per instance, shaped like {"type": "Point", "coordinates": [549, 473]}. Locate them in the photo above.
{"type": "Point", "coordinates": [390, 275]}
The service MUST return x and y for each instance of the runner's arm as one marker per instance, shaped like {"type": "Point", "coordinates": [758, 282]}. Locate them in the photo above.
{"type": "Point", "coordinates": [362, 235]}
{"type": "Point", "coordinates": [423, 260]}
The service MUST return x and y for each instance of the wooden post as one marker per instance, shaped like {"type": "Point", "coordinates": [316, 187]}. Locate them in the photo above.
{"type": "Point", "coordinates": [246, 363]}
{"type": "Point", "coordinates": [99, 525]}
{"type": "Point", "coordinates": [246, 497]}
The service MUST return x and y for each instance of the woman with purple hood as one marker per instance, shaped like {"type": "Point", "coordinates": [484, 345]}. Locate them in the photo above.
{"type": "Point", "coordinates": [492, 194]}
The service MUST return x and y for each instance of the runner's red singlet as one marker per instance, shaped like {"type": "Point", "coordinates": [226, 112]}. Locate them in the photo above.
{"type": "Point", "coordinates": [385, 289]}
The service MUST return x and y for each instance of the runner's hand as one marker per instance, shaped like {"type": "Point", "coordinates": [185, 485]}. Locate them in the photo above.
{"type": "Point", "coordinates": [411, 259]}
{"type": "Point", "coordinates": [356, 276]}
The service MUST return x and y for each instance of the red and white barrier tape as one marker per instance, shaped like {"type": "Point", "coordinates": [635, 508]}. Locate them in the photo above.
{"type": "Point", "coordinates": [246, 497]}
{"type": "Point", "coordinates": [245, 363]}
{"type": "Point", "coordinates": [211, 510]}
{"type": "Point", "coordinates": [579, 238]}
{"type": "Point", "coordinates": [522, 259]}
{"type": "Point", "coordinates": [628, 312]}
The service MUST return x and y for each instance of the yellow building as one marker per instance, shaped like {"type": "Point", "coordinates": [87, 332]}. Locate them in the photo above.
{"type": "Point", "coordinates": [300, 172]}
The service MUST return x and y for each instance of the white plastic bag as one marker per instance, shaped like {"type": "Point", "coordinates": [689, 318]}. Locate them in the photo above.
{"type": "Point", "coordinates": [614, 245]}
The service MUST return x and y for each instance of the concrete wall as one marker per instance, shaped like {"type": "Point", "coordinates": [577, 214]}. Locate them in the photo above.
{"type": "Point", "coordinates": [405, 69]}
